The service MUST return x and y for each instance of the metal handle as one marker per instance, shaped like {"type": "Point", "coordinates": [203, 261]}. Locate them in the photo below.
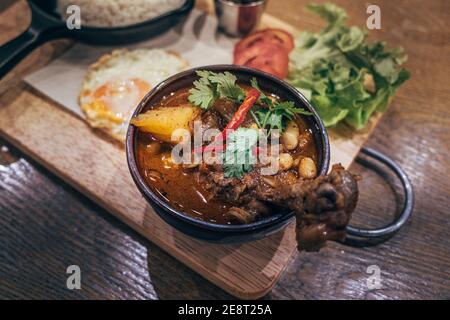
{"type": "Point", "coordinates": [364, 237]}
{"type": "Point", "coordinates": [15, 50]}
{"type": "Point", "coordinates": [40, 30]}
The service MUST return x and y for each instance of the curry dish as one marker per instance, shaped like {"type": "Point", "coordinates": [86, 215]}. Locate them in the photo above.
{"type": "Point", "coordinates": [179, 185]}
{"type": "Point", "coordinates": [234, 192]}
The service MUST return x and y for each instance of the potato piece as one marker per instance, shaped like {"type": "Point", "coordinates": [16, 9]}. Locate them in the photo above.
{"type": "Point", "coordinates": [162, 122]}
{"type": "Point", "coordinates": [289, 138]}
{"type": "Point", "coordinates": [307, 168]}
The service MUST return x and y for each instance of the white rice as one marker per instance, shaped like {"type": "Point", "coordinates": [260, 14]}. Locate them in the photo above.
{"type": "Point", "coordinates": [115, 13]}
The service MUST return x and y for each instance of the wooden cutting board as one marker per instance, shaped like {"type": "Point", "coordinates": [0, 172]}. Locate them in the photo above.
{"type": "Point", "coordinates": [96, 166]}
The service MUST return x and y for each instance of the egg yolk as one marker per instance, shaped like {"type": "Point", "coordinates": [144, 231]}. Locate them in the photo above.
{"type": "Point", "coordinates": [116, 100]}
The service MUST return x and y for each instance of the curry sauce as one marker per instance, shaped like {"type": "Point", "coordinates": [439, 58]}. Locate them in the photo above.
{"type": "Point", "coordinates": [178, 185]}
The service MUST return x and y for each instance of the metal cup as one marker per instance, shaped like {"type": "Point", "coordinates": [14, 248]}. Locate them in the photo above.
{"type": "Point", "coordinates": [238, 18]}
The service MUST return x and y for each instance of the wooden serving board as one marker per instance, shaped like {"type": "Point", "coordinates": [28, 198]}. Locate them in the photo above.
{"type": "Point", "coordinates": [96, 166]}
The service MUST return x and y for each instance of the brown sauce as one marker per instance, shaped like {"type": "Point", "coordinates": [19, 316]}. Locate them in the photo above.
{"type": "Point", "coordinates": [179, 186]}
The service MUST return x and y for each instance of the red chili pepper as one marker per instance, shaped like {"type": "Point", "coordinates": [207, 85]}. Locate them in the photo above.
{"type": "Point", "coordinates": [210, 147]}
{"type": "Point", "coordinates": [235, 122]}
{"type": "Point", "coordinates": [258, 150]}
{"type": "Point", "coordinates": [244, 108]}
{"type": "Point", "coordinates": [221, 147]}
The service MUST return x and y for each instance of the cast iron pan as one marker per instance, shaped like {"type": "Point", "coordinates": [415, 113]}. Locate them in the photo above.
{"type": "Point", "coordinates": [47, 24]}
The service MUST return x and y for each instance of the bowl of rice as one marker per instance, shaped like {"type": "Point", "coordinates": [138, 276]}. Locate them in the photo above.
{"type": "Point", "coordinates": [147, 18]}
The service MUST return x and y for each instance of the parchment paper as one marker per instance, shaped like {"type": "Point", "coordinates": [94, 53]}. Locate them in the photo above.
{"type": "Point", "coordinates": [197, 40]}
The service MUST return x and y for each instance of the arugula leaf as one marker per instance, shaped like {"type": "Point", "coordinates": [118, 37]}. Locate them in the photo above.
{"type": "Point", "coordinates": [330, 67]}
{"type": "Point", "coordinates": [239, 157]}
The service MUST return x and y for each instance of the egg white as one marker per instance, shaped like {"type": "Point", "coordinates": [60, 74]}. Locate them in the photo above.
{"type": "Point", "coordinates": [128, 76]}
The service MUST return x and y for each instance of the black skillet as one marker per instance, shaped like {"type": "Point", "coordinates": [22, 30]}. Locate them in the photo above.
{"type": "Point", "coordinates": [47, 24]}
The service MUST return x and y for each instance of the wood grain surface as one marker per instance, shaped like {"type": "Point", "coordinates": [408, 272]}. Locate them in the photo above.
{"type": "Point", "coordinates": [47, 226]}
{"type": "Point", "coordinates": [90, 162]}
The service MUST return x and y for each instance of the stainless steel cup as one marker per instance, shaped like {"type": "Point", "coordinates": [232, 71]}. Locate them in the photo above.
{"type": "Point", "coordinates": [238, 18]}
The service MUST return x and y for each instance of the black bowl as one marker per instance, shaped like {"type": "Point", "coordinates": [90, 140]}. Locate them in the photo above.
{"type": "Point", "coordinates": [210, 231]}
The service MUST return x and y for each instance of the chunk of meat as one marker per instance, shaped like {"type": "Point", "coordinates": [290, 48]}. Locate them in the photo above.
{"type": "Point", "coordinates": [322, 206]}
{"type": "Point", "coordinates": [209, 120]}
{"type": "Point", "coordinates": [225, 108]}
{"type": "Point", "coordinates": [253, 209]}
{"type": "Point", "coordinates": [327, 209]}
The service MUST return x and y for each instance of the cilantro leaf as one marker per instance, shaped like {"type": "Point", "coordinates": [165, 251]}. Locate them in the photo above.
{"type": "Point", "coordinates": [203, 94]}
{"type": "Point", "coordinates": [276, 113]}
{"type": "Point", "coordinates": [212, 86]}
{"type": "Point", "coordinates": [204, 74]}
{"type": "Point", "coordinates": [226, 86]}
{"type": "Point", "coordinates": [270, 119]}
{"type": "Point", "coordinates": [233, 171]}
{"type": "Point", "coordinates": [263, 98]}
{"type": "Point", "coordinates": [239, 157]}
{"type": "Point", "coordinates": [226, 78]}
{"type": "Point", "coordinates": [288, 109]}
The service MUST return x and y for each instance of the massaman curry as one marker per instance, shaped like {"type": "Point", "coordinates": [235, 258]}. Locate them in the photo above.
{"type": "Point", "coordinates": [229, 117]}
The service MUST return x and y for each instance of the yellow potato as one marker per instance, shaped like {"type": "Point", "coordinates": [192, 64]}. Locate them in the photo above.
{"type": "Point", "coordinates": [163, 122]}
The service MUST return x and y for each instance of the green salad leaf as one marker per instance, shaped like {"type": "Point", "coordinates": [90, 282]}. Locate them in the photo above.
{"type": "Point", "coordinates": [344, 77]}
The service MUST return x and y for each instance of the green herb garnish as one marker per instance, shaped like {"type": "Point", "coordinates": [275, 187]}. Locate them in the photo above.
{"type": "Point", "coordinates": [212, 86]}
{"type": "Point", "coordinates": [275, 113]}
{"type": "Point", "coordinates": [239, 157]}
{"type": "Point", "coordinates": [263, 99]}
{"type": "Point", "coordinates": [226, 86]}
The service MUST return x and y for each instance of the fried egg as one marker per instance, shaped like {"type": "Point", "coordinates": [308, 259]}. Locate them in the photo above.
{"type": "Point", "coordinates": [117, 82]}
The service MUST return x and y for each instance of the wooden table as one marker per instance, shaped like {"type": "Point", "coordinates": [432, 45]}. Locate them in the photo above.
{"type": "Point", "coordinates": [46, 226]}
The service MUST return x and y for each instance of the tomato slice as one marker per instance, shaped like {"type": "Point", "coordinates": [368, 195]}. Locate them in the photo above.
{"type": "Point", "coordinates": [244, 56]}
{"type": "Point", "coordinates": [266, 50]}
{"type": "Point", "coordinates": [269, 58]}
{"type": "Point", "coordinates": [272, 36]}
